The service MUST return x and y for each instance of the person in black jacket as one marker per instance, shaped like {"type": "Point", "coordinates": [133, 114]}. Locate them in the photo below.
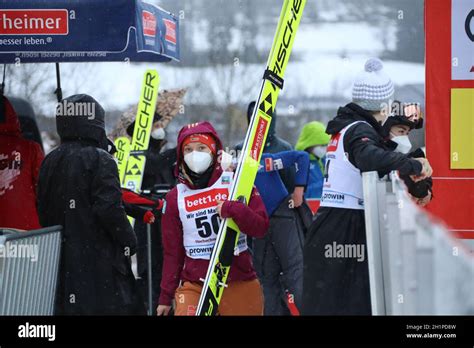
{"type": "Point", "coordinates": [79, 189]}
{"type": "Point", "coordinates": [336, 279]}
{"type": "Point", "coordinates": [404, 118]}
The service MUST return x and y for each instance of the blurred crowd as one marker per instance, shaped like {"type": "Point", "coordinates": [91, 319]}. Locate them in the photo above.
{"type": "Point", "coordinates": [305, 198]}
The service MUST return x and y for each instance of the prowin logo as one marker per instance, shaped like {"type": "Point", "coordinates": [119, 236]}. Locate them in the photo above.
{"type": "Point", "coordinates": [338, 197]}
{"type": "Point", "coordinates": [200, 251]}
{"type": "Point", "coordinates": [37, 331]}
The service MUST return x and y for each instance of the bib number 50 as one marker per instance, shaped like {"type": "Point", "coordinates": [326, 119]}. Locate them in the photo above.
{"type": "Point", "coordinates": [205, 227]}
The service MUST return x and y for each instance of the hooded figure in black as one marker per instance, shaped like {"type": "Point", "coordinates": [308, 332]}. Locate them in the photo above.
{"type": "Point", "coordinates": [274, 144]}
{"type": "Point", "coordinates": [79, 189]}
{"type": "Point", "coordinates": [337, 283]}
{"type": "Point", "coordinates": [159, 170]}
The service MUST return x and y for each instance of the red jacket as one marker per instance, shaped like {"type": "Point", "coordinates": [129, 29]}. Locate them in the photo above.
{"type": "Point", "coordinates": [20, 161]}
{"type": "Point", "coordinates": [177, 265]}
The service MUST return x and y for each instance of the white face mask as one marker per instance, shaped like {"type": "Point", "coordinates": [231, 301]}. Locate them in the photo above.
{"type": "Point", "coordinates": [404, 144]}
{"type": "Point", "coordinates": [158, 133]}
{"type": "Point", "coordinates": [198, 161]}
{"type": "Point", "coordinates": [319, 151]}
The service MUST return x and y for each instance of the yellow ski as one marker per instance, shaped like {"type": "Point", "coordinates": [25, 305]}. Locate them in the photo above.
{"type": "Point", "coordinates": [249, 160]}
{"type": "Point", "coordinates": [135, 165]}
{"type": "Point", "coordinates": [123, 149]}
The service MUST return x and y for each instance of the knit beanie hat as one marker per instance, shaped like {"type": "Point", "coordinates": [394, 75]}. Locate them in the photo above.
{"type": "Point", "coordinates": [373, 89]}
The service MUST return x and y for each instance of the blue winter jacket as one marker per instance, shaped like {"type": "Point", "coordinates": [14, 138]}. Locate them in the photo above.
{"type": "Point", "coordinates": [268, 181]}
{"type": "Point", "coordinates": [314, 188]}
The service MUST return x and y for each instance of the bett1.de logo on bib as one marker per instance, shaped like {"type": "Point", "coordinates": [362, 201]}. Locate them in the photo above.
{"type": "Point", "coordinates": [206, 199]}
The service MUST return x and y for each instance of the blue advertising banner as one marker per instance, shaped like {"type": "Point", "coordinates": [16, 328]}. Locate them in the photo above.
{"type": "Point", "coordinates": [35, 31]}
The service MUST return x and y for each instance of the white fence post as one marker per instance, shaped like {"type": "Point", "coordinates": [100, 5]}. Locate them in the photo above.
{"type": "Point", "coordinates": [374, 251]}
{"type": "Point", "coordinates": [415, 266]}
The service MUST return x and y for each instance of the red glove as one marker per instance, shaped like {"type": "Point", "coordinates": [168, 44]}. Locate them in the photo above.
{"type": "Point", "coordinates": [134, 198]}
{"type": "Point", "coordinates": [149, 217]}
{"type": "Point", "coordinates": [131, 197]}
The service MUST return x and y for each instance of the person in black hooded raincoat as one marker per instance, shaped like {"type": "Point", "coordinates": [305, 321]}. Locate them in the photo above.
{"type": "Point", "coordinates": [79, 189]}
{"type": "Point", "coordinates": [335, 282]}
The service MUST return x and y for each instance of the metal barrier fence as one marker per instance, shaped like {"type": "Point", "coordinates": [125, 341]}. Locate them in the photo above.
{"type": "Point", "coordinates": [415, 265]}
{"type": "Point", "coordinates": [29, 263]}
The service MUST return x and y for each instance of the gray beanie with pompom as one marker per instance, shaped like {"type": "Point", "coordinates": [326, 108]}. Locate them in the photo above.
{"type": "Point", "coordinates": [373, 89]}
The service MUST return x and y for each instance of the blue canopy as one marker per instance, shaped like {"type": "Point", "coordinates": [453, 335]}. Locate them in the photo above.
{"type": "Point", "coordinates": [37, 31]}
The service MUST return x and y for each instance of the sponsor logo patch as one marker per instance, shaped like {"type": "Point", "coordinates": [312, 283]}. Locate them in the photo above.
{"type": "Point", "coordinates": [259, 138]}
{"type": "Point", "coordinates": [334, 142]}
{"type": "Point", "coordinates": [149, 23]}
{"type": "Point", "coordinates": [226, 179]}
{"type": "Point", "coordinates": [191, 310]}
{"type": "Point", "coordinates": [268, 164]}
{"type": "Point", "coordinates": [170, 33]}
{"type": "Point", "coordinates": [278, 164]}
{"type": "Point", "coordinates": [10, 168]}
{"type": "Point", "coordinates": [206, 199]}
{"type": "Point", "coordinates": [34, 22]}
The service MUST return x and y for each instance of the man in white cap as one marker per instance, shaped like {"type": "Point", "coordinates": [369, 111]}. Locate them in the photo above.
{"type": "Point", "coordinates": [336, 285]}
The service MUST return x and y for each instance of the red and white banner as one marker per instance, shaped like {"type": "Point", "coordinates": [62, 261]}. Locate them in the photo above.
{"type": "Point", "coordinates": [34, 22]}
{"type": "Point", "coordinates": [450, 111]}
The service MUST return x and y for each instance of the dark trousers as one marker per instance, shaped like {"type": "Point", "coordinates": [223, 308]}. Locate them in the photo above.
{"type": "Point", "coordinates": [142, 260]}
{"type": "Point", "coordinates": [278, 260]}
{"type": "Point", "coordinates": [336, 284]}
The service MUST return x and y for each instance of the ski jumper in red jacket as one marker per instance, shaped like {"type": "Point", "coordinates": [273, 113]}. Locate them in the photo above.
{"type": "Point", "coordinates": [190, 224]}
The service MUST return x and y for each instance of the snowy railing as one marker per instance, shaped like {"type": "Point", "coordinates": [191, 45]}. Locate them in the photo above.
{"type": "Point", "coordinates": [415, 265]}
{"type": "Point", "coordinates": [29, 263]}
